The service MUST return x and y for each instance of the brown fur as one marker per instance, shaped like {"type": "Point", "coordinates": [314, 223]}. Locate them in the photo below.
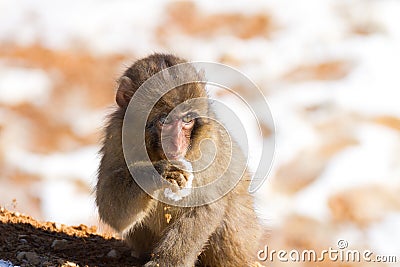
{"type": "Point", "coordinates": [223, 233]}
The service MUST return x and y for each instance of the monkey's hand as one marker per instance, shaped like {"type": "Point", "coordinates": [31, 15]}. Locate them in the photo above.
{"type": "Point", "coordinates": [175, 172]}
{"type": "Point", "coordinates": [178, 174]}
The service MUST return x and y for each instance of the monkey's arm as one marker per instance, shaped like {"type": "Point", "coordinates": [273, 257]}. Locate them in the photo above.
{"type": "Point", "coordinates": [186, 237]}
{"type": "Point", "coordinates": [121, 202]}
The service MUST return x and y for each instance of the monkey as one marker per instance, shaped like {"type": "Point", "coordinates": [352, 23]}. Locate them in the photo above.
{"type": "Point", "coordinates": [221, 232]}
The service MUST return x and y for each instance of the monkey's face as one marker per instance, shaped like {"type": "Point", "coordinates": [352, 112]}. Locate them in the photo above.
{"type": "Point", "coordinates": [175, 131]}
{"type": "Point", "coordinates": [172, 125]}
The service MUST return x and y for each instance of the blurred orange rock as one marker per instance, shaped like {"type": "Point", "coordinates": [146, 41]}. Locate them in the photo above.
{"type": "Point", "coordinates": [388, 121]}
{"type": "Point", "coordinates": [308, 165]}
{"type": "Point", "coordinates": [49, 134]}
{"type": "Point", "coordinates": [299, 172]}
{"type": "Point", "coordinates": [329, 70]}
{"type": "Point", "coordinates": [364, 205]}
{"type": "Point", "coordinates": [74, 70]}
{"type": "Point", "coordinates": [80, 87]}
{"type": "Point", "coordinates": [184, 16]}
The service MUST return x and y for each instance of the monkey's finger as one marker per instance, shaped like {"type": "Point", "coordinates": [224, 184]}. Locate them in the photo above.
{"type": "Point", "coordinates": [171, 175]}
{"type": "Point", "coordinates": [181, 180]}
{"type": "Point", "coordinates": [172, 181]}
{"type": "Point", "coordinates": [173, 185]}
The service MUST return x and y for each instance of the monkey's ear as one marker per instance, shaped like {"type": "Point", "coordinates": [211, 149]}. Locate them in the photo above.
{"type": "Point", "coordinates": [124, 92]}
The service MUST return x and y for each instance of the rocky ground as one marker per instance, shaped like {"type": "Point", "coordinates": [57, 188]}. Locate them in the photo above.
{"type": "Point", "coordinates": [25, 241]}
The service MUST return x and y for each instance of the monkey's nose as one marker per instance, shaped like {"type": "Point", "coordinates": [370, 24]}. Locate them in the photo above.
{"type": "Point", "coordinates": [171, 148]}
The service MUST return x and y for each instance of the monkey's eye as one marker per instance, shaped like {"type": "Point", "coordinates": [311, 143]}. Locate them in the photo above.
{"type": "Point", "coordinates": [164, 120]}
{"type": "Point", "coordinates": [188, 118]}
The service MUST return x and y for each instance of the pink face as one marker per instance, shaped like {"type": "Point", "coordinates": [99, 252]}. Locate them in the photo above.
{"type": "Point", "coordinates": [175, 133]}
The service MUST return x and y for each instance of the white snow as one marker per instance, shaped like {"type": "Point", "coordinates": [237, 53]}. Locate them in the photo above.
{"type": "Point", "coordinates": [63, 200]}
{"type": "Point", "coordinates": [18, 85]}
{"type": "Point", "coordinates": [100, 26]}
{"type": "Point", "coordinates": [76, 164]}
{"type": "Point", "coordinates": [384, 236]}
{"type": "Point", "coordinates": [4, 263]}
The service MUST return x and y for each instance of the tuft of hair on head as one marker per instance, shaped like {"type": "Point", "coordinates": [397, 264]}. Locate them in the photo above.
{"type": "Point", "coordinates": [143, 69]}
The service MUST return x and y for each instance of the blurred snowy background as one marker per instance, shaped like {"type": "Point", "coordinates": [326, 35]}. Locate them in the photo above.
{"type": "Point", "coordinates": [329, 69]}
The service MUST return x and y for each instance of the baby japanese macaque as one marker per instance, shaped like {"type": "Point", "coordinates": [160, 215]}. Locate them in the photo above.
{"type": "Point", "coordinates": [223, 232]}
